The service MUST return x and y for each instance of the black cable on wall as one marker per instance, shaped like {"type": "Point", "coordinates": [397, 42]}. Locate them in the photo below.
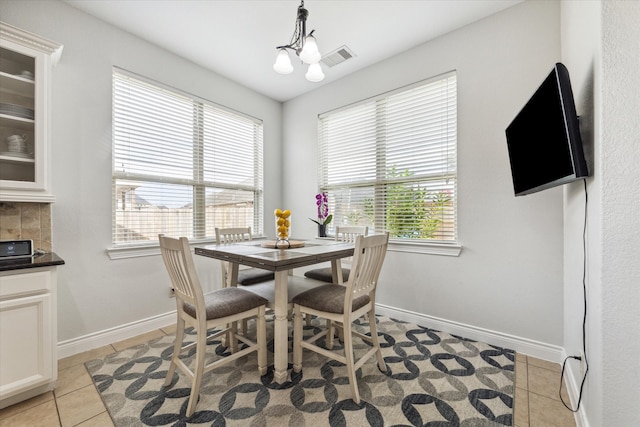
{"type": "Point", "coordinates": [584, 317]}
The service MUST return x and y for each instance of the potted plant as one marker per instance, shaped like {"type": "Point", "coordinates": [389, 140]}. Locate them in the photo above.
{"type": "Point", "coordinates": [322, 202]}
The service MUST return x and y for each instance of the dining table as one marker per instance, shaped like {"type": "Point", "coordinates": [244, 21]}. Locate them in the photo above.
{"type": "Point", "coordinates": [280, 259]}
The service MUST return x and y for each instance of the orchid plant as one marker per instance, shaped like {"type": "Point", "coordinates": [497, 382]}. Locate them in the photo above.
{"type": "Point", "coordinates": [322, 202]}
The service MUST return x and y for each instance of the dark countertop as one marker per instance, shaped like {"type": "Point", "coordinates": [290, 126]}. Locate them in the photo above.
{"type": "Point", "coordinates": [44, 260]}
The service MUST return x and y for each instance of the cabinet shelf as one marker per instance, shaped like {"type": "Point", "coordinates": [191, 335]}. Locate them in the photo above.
{"type": "Point", "coordinates": [8, 158]}
{"type": "Point", "coordinates": [16, 85]}
{"type": "Point", "coordinates": [9, 121]}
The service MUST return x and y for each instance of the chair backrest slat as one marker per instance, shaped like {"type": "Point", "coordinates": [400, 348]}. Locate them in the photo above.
{"type": "Point", "coordinates": [349, 233]}
{"type": "Point", "coordinates": [176, 254]}
{"type": "Point", "coordinates": [368, 257]}
{"type": "Point", "coordinates": [232, 235]}
{"type": "Point", "coordinates": [226, 236]}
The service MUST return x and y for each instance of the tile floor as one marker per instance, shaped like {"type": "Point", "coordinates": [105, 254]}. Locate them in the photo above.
{"type": "Point", "coordinates": [536, 402]}
{"type": "Point", "coordinates": [75, 401]}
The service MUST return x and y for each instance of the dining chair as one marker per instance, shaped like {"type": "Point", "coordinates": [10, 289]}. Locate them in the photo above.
{"type": "Point", "coordinates": [343, 234]}
{"type": "Point", "coordinates": [217, 309]}
{"type": "Point", "coordinates": [247, 276]}
{"type": "Point", "coordinates": [257, 280]}
{"type": "Point", "coordinates": [342, 305]}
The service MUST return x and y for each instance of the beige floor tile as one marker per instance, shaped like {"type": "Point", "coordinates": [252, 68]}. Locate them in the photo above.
{"type": "Point", "coordinates": [79, 406]}
{"type": "Point", "coordinates": [545, 383]}
{"type": "Point", "coordinates": [521, 357]}
{"type": "Point", "coordinates": [80, 358]}
{"type": "Point", "coordinates": [545, 412]}
{"type": "Point", "coordinates": [169, 330]}
{"type": "Point", "coordinates": [71, 379]}
{"type": "Point", "coordinates": [140, 339]}
{"type": "Point", "coordinates": [101, 420]}
{"type": "Point", "coordinates": [543, 364]}
{"type": "Point", "coordinates": [26, 404]}
{"type": "Point", "coordinates": [43, 415]}
{"type": "Point", "coordinates": [521, 408]}
{"type": "Point", "coordinates": [522, 375]}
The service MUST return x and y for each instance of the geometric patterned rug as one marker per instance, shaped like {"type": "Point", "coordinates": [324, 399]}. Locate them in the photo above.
{"type": "Point", "coordinates": [432, 379]}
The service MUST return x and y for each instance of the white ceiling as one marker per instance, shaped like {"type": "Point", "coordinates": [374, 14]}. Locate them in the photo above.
{"type": "Point", "coordinates": [237, 39]}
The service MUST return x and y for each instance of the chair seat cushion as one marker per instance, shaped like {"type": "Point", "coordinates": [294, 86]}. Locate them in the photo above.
{"type": "Point", "coordinates": [226, 302]}
{"type": "Point", "coordinates": [324, 274]}
{"type": "Point", "coordinates": [252, 276]}
{"type": "Point", "coordinates": [329, 298]}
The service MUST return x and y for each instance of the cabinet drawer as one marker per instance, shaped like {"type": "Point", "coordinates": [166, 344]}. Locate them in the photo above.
{"type": "Point", "coordinates": [14, 284]}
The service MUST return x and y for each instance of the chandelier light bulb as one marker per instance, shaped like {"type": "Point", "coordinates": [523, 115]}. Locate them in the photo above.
{"type": "Point", "coordinates": [310, 53]}
{"type": "Point", "coordinates": [314, 74]}
{"type": "Point", "coordinates": [283, 63]}
{"type": "Point", "coordinates": [305, 47]}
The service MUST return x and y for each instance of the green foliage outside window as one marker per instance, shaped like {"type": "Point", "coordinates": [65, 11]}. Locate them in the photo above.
{"type": "Point", "coordinates": [411, 211]}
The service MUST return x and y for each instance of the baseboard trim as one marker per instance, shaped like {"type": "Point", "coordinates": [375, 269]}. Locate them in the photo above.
{"type": "Point", "coordinates": [573, 389]}
{"type": "Point", "coordinates": [526, 346]}
{"type": "Point", "coordinates": [109, 336]}
{"type": "Point", "coordinates": [521, 345]}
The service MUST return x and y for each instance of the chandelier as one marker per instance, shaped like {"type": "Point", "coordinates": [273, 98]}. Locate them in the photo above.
{"type": "Point", "coordinates": [304, 46]}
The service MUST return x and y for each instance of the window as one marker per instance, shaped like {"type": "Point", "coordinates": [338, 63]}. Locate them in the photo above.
{"type": "Point", "coordinates": [181, 165]}
{"type": "Point", "coordinates": [390, 162]}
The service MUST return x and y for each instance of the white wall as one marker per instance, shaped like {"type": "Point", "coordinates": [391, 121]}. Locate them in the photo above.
{"type": "Point", "coordinates": [620, 328]}
{"type": "Point", "coordinates": [96, 293]}
{"type": "Point", "coordinates": [508, 278]}
{"type": "Point", "coordinates": [601, 47]}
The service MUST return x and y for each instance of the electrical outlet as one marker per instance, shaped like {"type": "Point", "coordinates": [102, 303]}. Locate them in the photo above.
{"type": "Point", "coordinates": [172, 293]}
{"type": "Point", "coordinates": [583, 363]}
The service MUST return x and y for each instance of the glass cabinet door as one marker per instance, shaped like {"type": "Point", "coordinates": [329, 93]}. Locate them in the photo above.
{"type": "Point", "coordinates": [17, 117]}
{"type": "Point", "coordinates": [25, 68]}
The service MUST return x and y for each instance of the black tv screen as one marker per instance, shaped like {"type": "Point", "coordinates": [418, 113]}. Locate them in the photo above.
{"type": "Point", "coordinates": [545, 148]}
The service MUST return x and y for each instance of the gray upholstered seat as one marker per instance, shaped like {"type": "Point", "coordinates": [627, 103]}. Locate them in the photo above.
{"type": "Point", "coordinates": [253, 276]}
{"type": "Point", "coordinates": [216, 310]}
{"type": "Point", "coordinates": [341, 305]}
{"type": "Point", "coordinates": [325, 274]}
{"type": "Point", "coordinates": [343, 234]}
{"type": "Point", "coordinates": [226, 302]}
{"type": "Point", "coordinates": [246, 277]}
{"type": "Point", "coordinates": [329, 298]}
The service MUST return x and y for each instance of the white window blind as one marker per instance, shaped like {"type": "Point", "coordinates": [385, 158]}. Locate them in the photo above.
{"type": "Point", "coordinates": [181, 166]}
{"type": "Point", "coordinates": [390, 162]}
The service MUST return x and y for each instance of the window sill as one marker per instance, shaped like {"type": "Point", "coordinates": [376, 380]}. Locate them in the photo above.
{"type": "Point", "coordinates": [445, 249]}
{"type": "Point", "coordinates": [151, 249]}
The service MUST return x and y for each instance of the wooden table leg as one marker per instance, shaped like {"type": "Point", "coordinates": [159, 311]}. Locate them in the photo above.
{"type": "Point", "coordinates": [281, 328]}
{"type": "Point", "coordinates": [234, 267]}
{"type": "Point", "coordinates": [336, 271]}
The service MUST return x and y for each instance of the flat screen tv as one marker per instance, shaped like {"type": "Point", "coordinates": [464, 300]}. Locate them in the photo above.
{"type": "Point", "coordinates": [545, 148]}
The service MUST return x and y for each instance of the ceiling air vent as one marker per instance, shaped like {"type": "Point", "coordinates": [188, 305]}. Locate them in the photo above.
{"type": "Point", "coordinates": [337, 56]}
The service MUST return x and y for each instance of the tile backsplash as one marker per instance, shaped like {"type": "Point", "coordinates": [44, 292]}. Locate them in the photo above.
{"type": "Point", "coordinates": [26, 221]}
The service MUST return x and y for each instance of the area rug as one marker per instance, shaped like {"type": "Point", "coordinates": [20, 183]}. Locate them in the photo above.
{"type": "Point", "coordinates": [432, 379]}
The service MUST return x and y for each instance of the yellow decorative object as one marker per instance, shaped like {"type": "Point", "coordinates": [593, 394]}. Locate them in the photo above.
{"type": "Point", "coordinates": [283, 225]}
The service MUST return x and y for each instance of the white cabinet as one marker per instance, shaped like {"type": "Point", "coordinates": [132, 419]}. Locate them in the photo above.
{"type": "Point", "coordinates": [25, 75]}
{"type": "Point", "coordinates": [28, 333]}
